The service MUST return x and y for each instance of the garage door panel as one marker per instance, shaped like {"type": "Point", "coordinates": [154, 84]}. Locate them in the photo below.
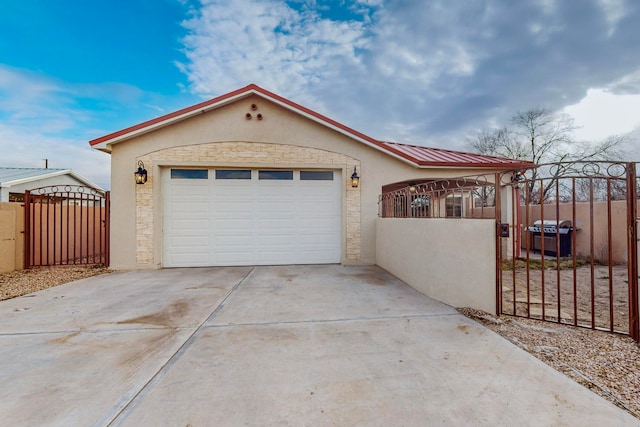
{"type": "Point", "coordinates": [194, 186]}
{"type": "Point", "coordinates": [251, 222]}
{"type": "Point", "coordinates": [312, 241]}
{"type": "Point", "coordinates": [193, 259]}
{"type": "Point", "coordinates": [317, 200]}
{"type": "Point", "coordinates": [188, 194]}
{"type": "Point", "coordinates": [233, 223]}
{"type": "Point", "coordinates": [313, 225]}
{"type": "Point", "coordinates": [190, 241]}
{"type": "Point", "coordinates": [228, 219]}
{"type": "Point", "coordinates": [235, 197]}
{"type": "Point", "coordinates": [276, 242]}
{"type": "Point", "coordinates": [327, 210]}
{"type": "Point", "coordinates": [232, 241]}
{"type": "Point", "coordinates": [273, 257]}
{"type": "Point", "coordinates": [275, 208]}
{"type": "Point", "coordinates": [229, 207]}
{"type": "Point", "coordinates": [234, 258]}
{"type": "Point", "coordinates": [316, 258]}
{"type": "Point", "coordinates": [313, 205]}
{"type": "Point", "coordinates": [192, 250]}
{"type": "Point", "coordinates": [281, 195]}
{"type": "Point", "coordinates": [274, 224]}
{"type": "Point", "coordinates": [193, 210]}
{"type": "Point", "coordinates": [187, 224]}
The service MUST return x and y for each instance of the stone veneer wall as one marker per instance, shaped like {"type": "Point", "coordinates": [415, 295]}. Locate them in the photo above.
{"type": "Point", "coordinates": [243, 153]}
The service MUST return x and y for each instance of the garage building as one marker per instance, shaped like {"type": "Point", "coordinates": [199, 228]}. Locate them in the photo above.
{"type": "Point", "coordinates": [251, 178]}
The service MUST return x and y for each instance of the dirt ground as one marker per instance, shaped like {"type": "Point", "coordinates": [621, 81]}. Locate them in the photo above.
{"type": "Point", "coordinates": [607, 364]}
{"type": "Point", "coordinates": [576, 305]}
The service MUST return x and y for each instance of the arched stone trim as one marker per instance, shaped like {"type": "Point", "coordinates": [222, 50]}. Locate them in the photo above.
{"type": "Point", "coordinates": [243, 153]}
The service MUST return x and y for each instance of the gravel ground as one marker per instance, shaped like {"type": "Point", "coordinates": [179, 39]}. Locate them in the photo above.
{"type": "Point", "coordinates": [22, 282]}
{"type": "Point", "coordinates": [607, 364]}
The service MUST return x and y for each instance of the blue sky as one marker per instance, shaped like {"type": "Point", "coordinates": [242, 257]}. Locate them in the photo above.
{"type": "Point", "coordinates": [422, 72]}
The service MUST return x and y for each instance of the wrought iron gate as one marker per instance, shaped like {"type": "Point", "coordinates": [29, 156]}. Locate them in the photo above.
{"type": "Point", "coordinates": [66, 224]}
{"type": "Point", "coordinates": [585, 274]}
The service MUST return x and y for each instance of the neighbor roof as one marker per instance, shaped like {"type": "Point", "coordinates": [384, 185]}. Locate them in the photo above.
{"type": "Point", "coordinates": [415, 155]}
{"type": "Point", "coordinates": [15, 176]}
{"type": "Point", "coordinates": [9, 175]}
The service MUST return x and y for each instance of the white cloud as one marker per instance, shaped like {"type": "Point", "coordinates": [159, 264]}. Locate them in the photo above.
{"type": "Point", "coordinates": [40, 120]}
{"type": "Point", "coordinates": [549, 6]}
{"type": "Point", "coordinates": [236, 42]}
{"type": "Point", "coordinates": [28, 148]}
{"type": "Point", "coordinates": [627, 84]}
{"type": "Point", "coordinates": [601, 114]}
{"type": "Point", "coordinates": [613, 10]}
{"type": "Point", "coordinates": [45, 118]}
{"type": "Point", "coordinates": [27, 100]}
{"type": "Point", "coordinates": [417, 72]}
{"type": "Point", "coordinates": [322, 62]}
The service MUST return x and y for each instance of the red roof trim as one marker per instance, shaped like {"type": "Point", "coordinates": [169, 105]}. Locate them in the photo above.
{"type": "Point", "coordinates": [165, 117]}
{"type": "Point", "coordinates": [417, 155]}
{"type": "Point", "coordinates": [318, 116]}
{"type": "Point", "coordinates": [248, 89]}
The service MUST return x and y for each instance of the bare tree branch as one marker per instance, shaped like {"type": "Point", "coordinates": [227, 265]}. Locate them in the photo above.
{"type": "Point", "coordinates": [543, 136]}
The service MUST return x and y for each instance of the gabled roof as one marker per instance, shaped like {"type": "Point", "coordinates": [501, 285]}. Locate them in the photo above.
{"type": "Point", "coordinates": [415, 155]}
{"type": "Point", "coordinates": [15, 176]}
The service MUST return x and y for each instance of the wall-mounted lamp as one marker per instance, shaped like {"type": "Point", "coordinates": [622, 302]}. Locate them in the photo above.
{"type": "Point", "coordinates": [355, 179]}
{"type": "Point", "coordinates": [141, 173]}
{"type": "Point", "coordinates": [412, 188]}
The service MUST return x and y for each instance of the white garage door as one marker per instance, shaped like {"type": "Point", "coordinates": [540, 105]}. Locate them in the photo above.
{"type": "Point", "coordinates": [219, 217]}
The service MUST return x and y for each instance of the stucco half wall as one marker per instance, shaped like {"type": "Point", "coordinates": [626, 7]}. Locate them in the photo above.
{"type": "Point", "coordinates": [451, 260]}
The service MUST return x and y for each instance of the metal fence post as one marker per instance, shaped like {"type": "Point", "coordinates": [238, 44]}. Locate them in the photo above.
{"type": "Point", "coordinates": [632, 245]}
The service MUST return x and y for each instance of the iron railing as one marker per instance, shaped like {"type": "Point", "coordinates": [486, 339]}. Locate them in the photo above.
{"type": "Point", "coordinates": [66, 224]}
{"type": "Point", "coordinates": [463, 197]}
{"type": "Point", "coordinates": [596, 286]}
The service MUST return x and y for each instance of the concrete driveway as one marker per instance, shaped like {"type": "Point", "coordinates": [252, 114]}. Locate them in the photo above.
{"type": "Point", "coordinates": [302, 345]}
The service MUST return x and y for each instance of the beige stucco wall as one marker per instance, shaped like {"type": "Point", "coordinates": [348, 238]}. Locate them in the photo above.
{"type": "Point", "coordinates": [224, 137]}
{"type": "Point", "coordinates": [451, 260]}
{"type": "Point", "coordinates": [618, 216]}
{"type": "Point", "coordinates": [11, 236]}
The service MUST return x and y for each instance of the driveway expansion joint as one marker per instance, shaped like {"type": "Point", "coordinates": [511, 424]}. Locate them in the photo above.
{"type": "Point", "coordinates": [347, 319]}
{"type": "Point", "coordinates": [319, 345]}
{"type": "Point", "coordinates": [176, 355]}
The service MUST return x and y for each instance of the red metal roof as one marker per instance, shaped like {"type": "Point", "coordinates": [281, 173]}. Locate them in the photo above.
{"type": "Point", "coordinates": [416, 155]}
{"type": "Point", "coordinates": [428, 156]}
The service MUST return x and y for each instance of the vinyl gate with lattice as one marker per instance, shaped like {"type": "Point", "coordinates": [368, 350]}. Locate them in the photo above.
{"type": "Point", "coordinates": [66, 225]}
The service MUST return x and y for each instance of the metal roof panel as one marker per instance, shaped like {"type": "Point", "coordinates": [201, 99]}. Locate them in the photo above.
{"type": "Point", "coordinates": [15, 174]}
{"type": "Point", "coordinates": [428, 156]}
